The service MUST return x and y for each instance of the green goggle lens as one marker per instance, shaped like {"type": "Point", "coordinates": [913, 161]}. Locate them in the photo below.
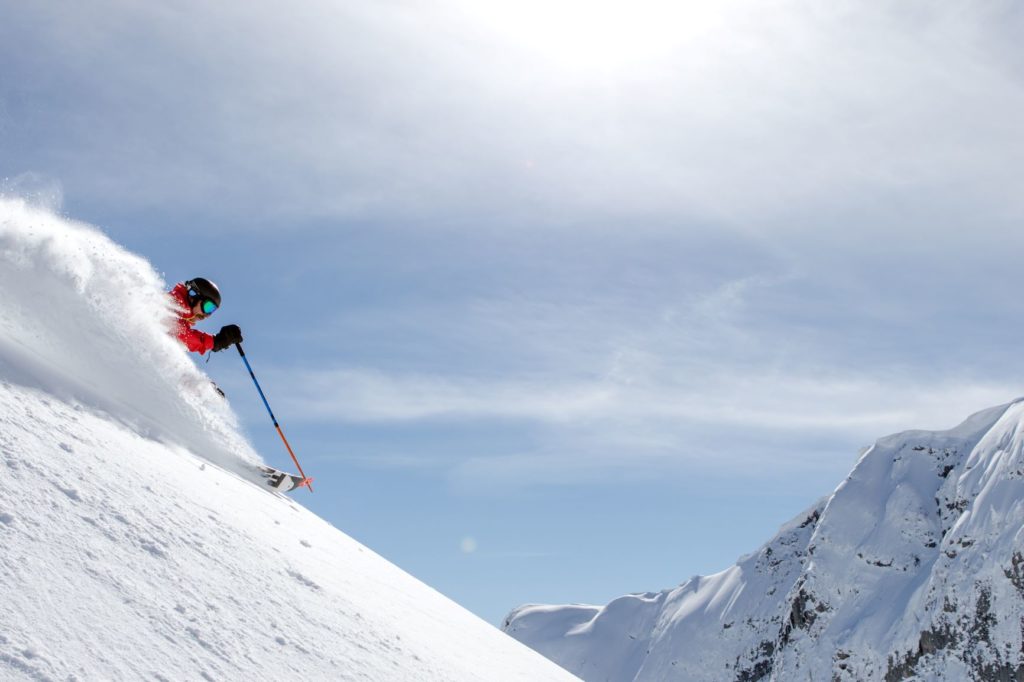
{"type": "Point", "coordinates": [208, 306]}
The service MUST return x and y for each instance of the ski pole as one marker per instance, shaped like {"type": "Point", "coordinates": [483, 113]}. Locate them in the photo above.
{"type": "Point", "coordinates": [272, 417]}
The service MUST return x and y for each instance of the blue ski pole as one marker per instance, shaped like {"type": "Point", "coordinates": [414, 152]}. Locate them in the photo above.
{"type": "Point", "coordinates": [307, 482]}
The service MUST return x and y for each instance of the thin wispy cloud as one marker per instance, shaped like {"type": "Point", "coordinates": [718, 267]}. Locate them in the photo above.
{"type": "Point", "coordinates": [705, 383]}
{"type": "Point", "coordinates": [772, 400]}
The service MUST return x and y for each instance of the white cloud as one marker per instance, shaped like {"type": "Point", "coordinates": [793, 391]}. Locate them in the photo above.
{"type": "Point", "coordinates": [602, 430]}
{"type": "Point", "coordinates": [719, 379]}
{"type": "Point", "coordinates": [721, 396]}
{"type": "Point", "coordinates": [433, 112]}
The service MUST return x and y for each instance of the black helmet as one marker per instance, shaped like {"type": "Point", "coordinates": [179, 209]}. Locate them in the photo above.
{"type": "Point", "coordinates": [202, 289]}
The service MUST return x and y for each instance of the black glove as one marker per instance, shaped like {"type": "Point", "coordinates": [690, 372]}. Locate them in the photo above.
{"type": "Point", "coordinates": [228, 336]}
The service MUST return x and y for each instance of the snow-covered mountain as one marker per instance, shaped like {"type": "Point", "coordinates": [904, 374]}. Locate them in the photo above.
{"type": "Point", "coordinates": [913, 569]}
{"type": "Point", "coordinates": [133, 545]}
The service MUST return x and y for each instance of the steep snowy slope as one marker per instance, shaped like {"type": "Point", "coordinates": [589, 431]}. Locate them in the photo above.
{"type": "Point", "coordinates": [130, 545]}
{"type": "Point", "coordinates": [912, 569]}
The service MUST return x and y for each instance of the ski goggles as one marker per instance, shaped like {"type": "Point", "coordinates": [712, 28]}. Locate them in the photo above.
{"type": "Point", "coordinates": [206, 305]}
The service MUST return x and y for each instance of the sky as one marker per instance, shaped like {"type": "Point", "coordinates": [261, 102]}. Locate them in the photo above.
{"type": "Point", "coordinates": [556, 301]}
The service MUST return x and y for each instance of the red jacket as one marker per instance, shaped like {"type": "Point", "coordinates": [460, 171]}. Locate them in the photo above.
{"type": "Point", "coordinates": [195, 340]}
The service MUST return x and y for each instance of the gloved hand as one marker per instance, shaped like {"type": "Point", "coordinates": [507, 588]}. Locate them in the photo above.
{"type": "Point", "coordinates": [228, 336]}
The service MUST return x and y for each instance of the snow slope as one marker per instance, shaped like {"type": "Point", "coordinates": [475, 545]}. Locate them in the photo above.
{"type": "Point", "coordinates": [912, 569]}
{"type": "Point", "coordinates": [131, 545]}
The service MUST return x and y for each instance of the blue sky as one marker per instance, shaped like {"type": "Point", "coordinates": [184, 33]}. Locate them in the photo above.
{"type": "Point", "coordinates": [562, 300]}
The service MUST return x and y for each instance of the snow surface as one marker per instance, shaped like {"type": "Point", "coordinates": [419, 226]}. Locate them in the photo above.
{"type": "Point", "coordinates": [133, 545]}
{"type": "Point", "coordinates": [912, 569]}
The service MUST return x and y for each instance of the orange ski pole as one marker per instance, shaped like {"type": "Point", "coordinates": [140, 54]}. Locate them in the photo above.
{"type": "Point", "coordinates": [307, 482]}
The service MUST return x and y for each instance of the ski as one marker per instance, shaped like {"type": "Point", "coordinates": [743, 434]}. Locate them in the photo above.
{"type": "Point", "coordinates": [282, 481]}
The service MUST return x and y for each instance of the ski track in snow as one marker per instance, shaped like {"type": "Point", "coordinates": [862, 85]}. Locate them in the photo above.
{"type": "Point", "coordinates": [126, 556]}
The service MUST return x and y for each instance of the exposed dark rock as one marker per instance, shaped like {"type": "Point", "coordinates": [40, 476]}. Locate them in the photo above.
{"type": "Point", "coordinates": [812, 519]}
{"type": "Point", "coordinates": [1016, 572]}
{"type": "Point", "coordinates": [958, 506]}
{"type": "Point", "coordinates": [971, 634]}
{"type": "Point", "coordinates": [762, 664]}
{"type": "Point", "coordinates": [802, 614]}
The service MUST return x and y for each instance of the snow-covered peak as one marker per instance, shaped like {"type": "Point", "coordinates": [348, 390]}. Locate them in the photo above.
{"type": "Point", "coordinates": [911, 569]}
{"type": "Point", "coordinates": [131, 545]}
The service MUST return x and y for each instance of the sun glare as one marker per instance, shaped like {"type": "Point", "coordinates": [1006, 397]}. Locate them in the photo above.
{"type": "Point", "coordinates": [603, 34]}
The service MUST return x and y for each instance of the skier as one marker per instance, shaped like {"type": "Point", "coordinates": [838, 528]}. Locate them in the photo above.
{"type": "Point", "coordinates": [196, 300]}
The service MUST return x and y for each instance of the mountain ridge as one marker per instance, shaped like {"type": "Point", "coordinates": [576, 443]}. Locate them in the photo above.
{"type": "Point", "coordinates": [910, 569]}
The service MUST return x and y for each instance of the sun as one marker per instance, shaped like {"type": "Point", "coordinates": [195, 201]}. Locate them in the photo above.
{"type": "Point", "coordinates": [597, 34]}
